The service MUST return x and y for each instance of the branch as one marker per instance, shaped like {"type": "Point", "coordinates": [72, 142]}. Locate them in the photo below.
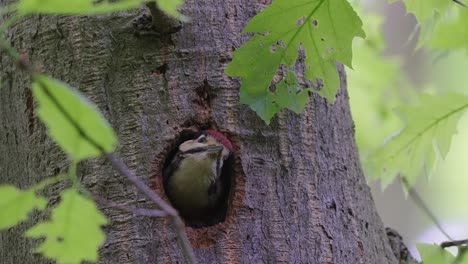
{"type": "Point", "coordinates": [454, 243]}
{"type": "Point", "coordinates": [49, 181]}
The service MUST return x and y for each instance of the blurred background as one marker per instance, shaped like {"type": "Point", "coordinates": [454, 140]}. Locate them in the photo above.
{"type": "Point", "coordinates": [391, 68]}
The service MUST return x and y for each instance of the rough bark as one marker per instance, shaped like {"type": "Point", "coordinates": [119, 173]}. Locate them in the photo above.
{"type": "Point", "coordinates": [299, 195]}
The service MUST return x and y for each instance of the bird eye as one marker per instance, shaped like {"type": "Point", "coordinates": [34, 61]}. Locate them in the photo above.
{"type": "Point", "coordinates": [201, 139]}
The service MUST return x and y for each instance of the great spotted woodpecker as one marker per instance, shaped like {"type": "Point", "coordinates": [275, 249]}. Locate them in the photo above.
{"type": "Point", "coordinates": [195, 181]}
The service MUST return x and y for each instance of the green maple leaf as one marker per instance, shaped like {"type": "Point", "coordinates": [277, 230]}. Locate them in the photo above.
{"type": "Point", "coordinates": [429, 131]}
{"type": "Point", "coordinates": [73, 234]}
{"type": "Point", "coordinates": [323, 28]}
{"type": "Point", "coordinates": [437, 27]}
{"type": "Point", "coordinates": [15, 205]}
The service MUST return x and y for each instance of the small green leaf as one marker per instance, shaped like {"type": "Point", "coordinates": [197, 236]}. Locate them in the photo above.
{"type": "Point", "coordinates": [62, 109]}
{"type": "Point", "coordinates": [93, 7]}
{"type": "Point", "coordinates": [434, 254]}
{"type": "Point", "coordinates": [15, 205]}
{"type": "Point", "coordinates": [430, 127]}
{"type": "Point", "coordinates": [73, 234]}
{"type": "Point", "coordinates": [324, 35]}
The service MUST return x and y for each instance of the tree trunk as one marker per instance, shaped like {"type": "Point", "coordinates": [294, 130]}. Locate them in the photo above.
{"type": "Point", "coordinates": [298, 192]}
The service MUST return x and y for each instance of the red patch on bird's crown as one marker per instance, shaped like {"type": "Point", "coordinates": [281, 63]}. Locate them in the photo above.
{"type": "Point", "coordinates": [221, 138]}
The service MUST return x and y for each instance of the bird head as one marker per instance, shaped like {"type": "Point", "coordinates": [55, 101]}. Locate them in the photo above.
{"type": "Point", "coordinates": [210, 143]}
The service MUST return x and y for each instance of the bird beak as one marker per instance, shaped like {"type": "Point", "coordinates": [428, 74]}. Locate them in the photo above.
{"type": "Point", "coordinates": [212, 149]}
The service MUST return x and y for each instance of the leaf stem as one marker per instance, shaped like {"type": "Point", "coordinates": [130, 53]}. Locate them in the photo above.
{"type": "Point", "coordinates": [49, 181]}
{"type": "Point", "coordinates": [72, 173]}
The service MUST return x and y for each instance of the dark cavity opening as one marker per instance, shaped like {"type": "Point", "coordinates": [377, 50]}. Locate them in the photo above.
{"type": "Point", "coordinates": [208, 216]}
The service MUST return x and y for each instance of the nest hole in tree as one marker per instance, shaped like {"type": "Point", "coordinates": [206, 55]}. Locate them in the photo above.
{"type": "Point", "coordinates": [211, 216]}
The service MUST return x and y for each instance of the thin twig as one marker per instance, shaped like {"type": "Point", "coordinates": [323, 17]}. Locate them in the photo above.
{"type": "Point", "coordinates": [177, 222]}
{"type": "Point", "coordinates": [454, 243]}
{"type": "Point", "coordinates": [125, 171]}
{"type": "Point", "coordinates": [422, 205]}
{"type": "Point", "coordinates": [49, 181]}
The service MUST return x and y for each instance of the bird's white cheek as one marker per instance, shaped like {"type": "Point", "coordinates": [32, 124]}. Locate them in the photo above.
{"type": "Point", "coordinates": [225, 152]}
